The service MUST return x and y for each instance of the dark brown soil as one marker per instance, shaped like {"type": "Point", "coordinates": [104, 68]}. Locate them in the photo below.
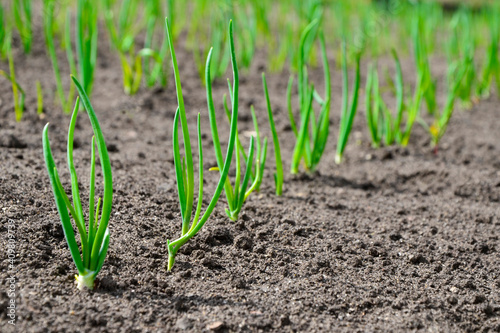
{"type": "Point", "coordinates": [392, 240]}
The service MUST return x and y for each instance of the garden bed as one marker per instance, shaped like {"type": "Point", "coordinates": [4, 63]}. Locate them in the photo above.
{"type": "Point", "coordinates": [394, 239]}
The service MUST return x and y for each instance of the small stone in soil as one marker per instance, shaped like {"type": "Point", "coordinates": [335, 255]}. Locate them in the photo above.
{"type": "Point", "coordinates": [184, 323]}
{"type": "Point", "coordinates": [243, 242]}
{"type": "Point", "coordinates": [357, 262]}
{"type": "Point", "coordinates": [215, 326]}
{"type": "Point", "coordinates": [418, 259]}
{"type": "Point", "coordinates": [239, 283]}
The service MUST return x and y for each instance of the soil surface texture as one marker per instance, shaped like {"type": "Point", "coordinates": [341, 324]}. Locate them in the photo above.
{"type": "Point", "coordinates": [392, 240]}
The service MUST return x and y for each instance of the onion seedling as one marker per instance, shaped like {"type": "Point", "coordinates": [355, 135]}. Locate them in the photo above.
{"type": "Point", "coordinates": [413, 111]}
{"type": "Point", "coordinates": [49, 39]}
{"type": "Point", "coordinates": [39, 98]}
{"type": "Point", "coordinates": [462, 44]}
{"type": "Point", "coordinates": [94, 239]}
{"type": "Point", "coordinates": [279, 53]}
{"type": "Point", "coordinates": [278, 176]}
{"type": "Point", "coordinates": [17, 91]}
{"type": "Point", "coordinates": [313, 133]}
{"type": "Point", "coordinates": [156, 73]}
{"type": "Point", "coordinates": [374, 116]}
{"type": "Point", "coordinates": [132, 73]}
{"type": "Point", "coordinates": [422, 65]}
{"type": "Point", "coordinates": [123, 35]}
{"type": "Point", "coordinates": [348, 111]}
{"type": "Point", "coordinates": [438, 128]}
{"type": "Point", "coordinates": [248, 22]}
{"type": "Point", "coordinates": [238, 193]}
{"type": "Point", "coordinates": [411, 108]}
{"type": "Point", "coordinates": [383, 125]}
{"type": "Point", "coordinates": [260, 155]}
{"type": "Point", "coordinates": [22, 18]}
{"type": "Point", "coordinates": [256, 175]}
{"type": "Point", "coordinates": [220, 51]}
{"type": "Point", "coordinates": [491, 69]}
{"type": "Point", "coordinates": [184, 167]}
{"type": "Point", "coordinates": [86, 41]}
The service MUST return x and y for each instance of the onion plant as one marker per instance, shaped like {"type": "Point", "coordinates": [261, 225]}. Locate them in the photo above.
{"type": "Point", "coordinates": [374, 115]}
{"type": "Point", "coordinates": [132, 72]}
{"type": "Point", "coordinates": [94, 235]}
{"type": "Point", "coordinates": [280, 49]}
{"type": "Point", "coordinates": [48, 6]}
{"type": "Point", "coordinates": [155, 73]}
{"type": "Point", "coordinates": [123, 33]}
{"type": "Point", "coordinates": [412, 108]}
{"type": "Point", "coordinates": [219, 46]}
{"type": "Point", "coordinates": [256, 156]}
{"type": "Point", "coordinates": [22, 18]}
{"type": "Point", "coordinates": [420, 49]}
{"type": "Point", "coordinates": [39, 98]}
{"type": "Point", "coordinates": [307, 12]}
{"type": "Point", "coordinates": [386, 125]}
{"type": "Point", "coordinates": [184, 167]}
{"type": "Point", "coordinates": [17, 92]}
{"type": "Point", "coordinates": [462, 45]}
{"type": "Point", "coordinates": [348, 111]}
{"type": "Point", "coordinates": [382, 123]}
{"type": "Point", "coordinates": [491, 68]}
{"type": "Point", "coordinates": [218, 12]}
{"type": "Point", "coordinates": [237, 194]}
{"type": "Point", "coordinates": [440, 124]}
{"type": "Point", "coordinates": [260, 155]}
{"type": "Point", "coordinates": [278, 176]}
{"type": "Point", "coordinates": [312, 135]}
{"type": "Point", "coordinates": [246, 17]}
{"type": "Point", "coordinates": [86, 41]}
{"type": "Point", "coordinates": [431, 16]}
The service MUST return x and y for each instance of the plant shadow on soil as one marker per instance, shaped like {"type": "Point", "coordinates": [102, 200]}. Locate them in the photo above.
{"type": "Point", "coordinates": [392, 240]}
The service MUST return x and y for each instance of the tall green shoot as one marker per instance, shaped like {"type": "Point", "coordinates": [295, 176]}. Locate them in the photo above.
{"type": "Point", "coordinates": [39, 98]}
{"type": "Point", "coordinates": [238, 193]}
{"type": "Point", "coordinates": [384, 124]}
{"type": "Point", "coordinates": [257, 155]}
{"type": "Point", "coordinates": [278, 176]}
{"type": "Point", "coordinates": [491, 68]}
{"type": "Point", "coordinates": [48, 9]}
{"type": "Point", "coordinates": [412, 108]}
{"type": "Point", "coordinates": [123, 32]}
{"type": "Point", "coordinates": [86, 41]}
{"type": "Point", "coordinates": [184, 167]}
{"type": "Point", "coordinates": [462, 45]}
{"type": "Point", "coordinates": [440, 124]}
{"type": "Point", "coordinates": [420, 48]}
{"type": "Point", "coordinates": [312, 135]}
{"type": "Point", "coordinates": [22, 17]}
{"type": "Point", "coordinates": [94, 235]}
{"type": "Point", "coordinates": [156, 73]}
{"type": "Point", "coordinates": [17, 92]}
{"type": "Point", "coordinates": [374, 116]}
{"type": "Point", "coordinates": [348, 111]}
